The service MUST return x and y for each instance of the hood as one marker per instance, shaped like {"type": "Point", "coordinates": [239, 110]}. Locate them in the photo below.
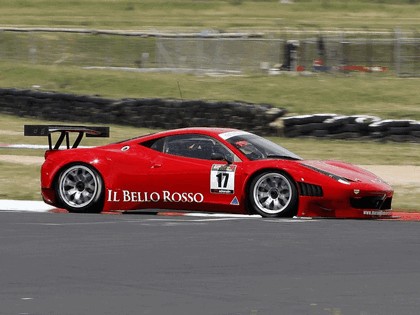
{"type": "Point", "coordinates": [344, 170]}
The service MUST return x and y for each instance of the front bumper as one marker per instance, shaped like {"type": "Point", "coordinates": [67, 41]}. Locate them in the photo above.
{"type": "Point", "coordinates": [350, 203]}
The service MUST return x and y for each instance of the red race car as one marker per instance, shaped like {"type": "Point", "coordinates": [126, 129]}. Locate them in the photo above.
{"type": "Point", "coordinates": [203, 169]}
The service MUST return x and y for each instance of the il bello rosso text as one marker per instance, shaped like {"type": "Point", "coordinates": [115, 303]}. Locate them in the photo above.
{"type": "Point", "coordinates": [164, 196]}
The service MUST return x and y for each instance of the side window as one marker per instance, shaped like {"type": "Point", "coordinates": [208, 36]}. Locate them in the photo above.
{"type": "Point", "coordinates": [191, 146]}
{"type": "Point", "coordinates": [158, 144]}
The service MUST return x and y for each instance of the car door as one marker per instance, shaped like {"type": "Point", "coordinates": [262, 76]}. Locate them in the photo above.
{"type": "Point", "coordinates": [192, 172]}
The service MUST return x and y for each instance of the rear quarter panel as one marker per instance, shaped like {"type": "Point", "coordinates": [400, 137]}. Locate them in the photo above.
{"type": "Point", "coordinates": [114, 164]}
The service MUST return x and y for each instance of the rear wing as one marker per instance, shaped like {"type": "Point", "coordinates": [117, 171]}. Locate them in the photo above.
{"type": "Point", "coordinates": [47, 130]}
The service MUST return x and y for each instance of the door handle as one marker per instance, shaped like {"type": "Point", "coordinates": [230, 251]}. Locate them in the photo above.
{"type": "Point", "coordinates": [156, 165]}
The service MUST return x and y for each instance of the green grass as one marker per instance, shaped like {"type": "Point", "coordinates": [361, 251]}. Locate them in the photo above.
{"type": "Point", "coordinates": [384, 96]}
{"type": "Point", "coordinates": [228, 15]}
{"type": "Point", "coordinates": [406, 198]}
{"type": "Point", "coordinates": [19, 182]}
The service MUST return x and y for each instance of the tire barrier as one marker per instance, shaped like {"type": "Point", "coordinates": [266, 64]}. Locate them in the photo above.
{"type": "Point", "coordinates": [157, 113]}
{"type": "Point", "coordinates": [335, 126]}
{"type": "Point", "coordinates": [147, 112]}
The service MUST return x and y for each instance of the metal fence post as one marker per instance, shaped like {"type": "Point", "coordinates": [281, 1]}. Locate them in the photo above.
{"type": "Point", "coordinates": [416, 59]}
{"type": "Point", "coordinates": [397, 51]}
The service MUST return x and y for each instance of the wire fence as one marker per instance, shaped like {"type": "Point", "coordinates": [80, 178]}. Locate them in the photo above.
{"type": "Point", "coordinates": [407, 54]}
{"type": "Point", "coordinates": [396, 52]}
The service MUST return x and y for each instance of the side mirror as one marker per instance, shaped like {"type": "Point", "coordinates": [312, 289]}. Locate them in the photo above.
{"type": "Point", "coordinates": [222, 157]}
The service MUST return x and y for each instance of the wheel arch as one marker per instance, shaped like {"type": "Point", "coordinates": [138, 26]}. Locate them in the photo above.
{"type": "Point", "coordinates": [250, 178]}
{"type": "Point", "coordinates": [65, 166]}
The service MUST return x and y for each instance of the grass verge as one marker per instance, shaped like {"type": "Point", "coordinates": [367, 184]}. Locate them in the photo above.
{"type": "Point", "coordinates": [227, 15]}
{"type": "Point", "coordinates": [384, 96]}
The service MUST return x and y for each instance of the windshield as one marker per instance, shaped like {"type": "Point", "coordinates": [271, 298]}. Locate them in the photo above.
{"type": "Point", "coordinates": [258, 148]}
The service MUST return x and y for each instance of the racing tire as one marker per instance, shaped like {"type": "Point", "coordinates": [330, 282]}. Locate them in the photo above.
{"type": "Point", "coordinates": [80, 189]}
{"type": "Point", "coordinates": [273, 194]}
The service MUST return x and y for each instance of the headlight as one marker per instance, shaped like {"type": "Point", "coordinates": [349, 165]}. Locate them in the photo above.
{"type": "Point", "coordinates": [339, 179]}
{"type": "Point", "coordinates": [343, 181]}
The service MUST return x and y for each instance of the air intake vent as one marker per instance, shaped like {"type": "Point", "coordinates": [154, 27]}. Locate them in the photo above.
{"type": "Point", "coordinates": [371, 202]}
{"type": "Point", "coordinates": [310, 190]}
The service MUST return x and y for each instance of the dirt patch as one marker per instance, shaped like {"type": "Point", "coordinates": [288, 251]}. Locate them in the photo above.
{"type": "Point", "coordinates": [10, 133]}
{"type": "Point", "coordinates": [22, 159]}
{"type": "Point", "coordinates": [406, 175]}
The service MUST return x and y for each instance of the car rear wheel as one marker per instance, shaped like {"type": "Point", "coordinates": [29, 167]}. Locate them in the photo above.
{"type": "Point", "coordinates": [273, 194]}
{"type": "Point", "coordinates": [80, 189]}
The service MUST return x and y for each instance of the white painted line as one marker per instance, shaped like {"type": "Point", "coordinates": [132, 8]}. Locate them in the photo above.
{"type": "Point", "coordinates": [34, 146]}
{"type": "Point", "coordinates": [24, 205]}
{"type": "Point", "coordinates": [40, 206]}
{"type": "Point", "coordinates": [223, 215]}
{"type": "Point", "coordinates": [288, 220]}
{"type": "Point", "coordinates": [24, 146]}
{"type": "Point", "coordinates": [176, 221]}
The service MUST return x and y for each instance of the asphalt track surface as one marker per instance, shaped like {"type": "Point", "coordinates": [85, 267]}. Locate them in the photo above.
{"type": "Point", "coordinates": [54, 263]}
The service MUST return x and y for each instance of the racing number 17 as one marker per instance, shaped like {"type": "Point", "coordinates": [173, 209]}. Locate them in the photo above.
{"type": "Point", "coordinates": [222, 179]}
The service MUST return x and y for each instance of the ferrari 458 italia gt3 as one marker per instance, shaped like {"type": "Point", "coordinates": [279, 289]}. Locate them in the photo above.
{"type": "Point", "coordinates": [203, 169]}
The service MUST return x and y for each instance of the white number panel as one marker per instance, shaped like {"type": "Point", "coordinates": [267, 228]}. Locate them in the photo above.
{"type": "Point", "coordinates": [222, 179]}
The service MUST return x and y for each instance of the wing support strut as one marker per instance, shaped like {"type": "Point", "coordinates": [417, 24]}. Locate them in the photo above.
{"type": "Point", "coordinates": [65, 130]}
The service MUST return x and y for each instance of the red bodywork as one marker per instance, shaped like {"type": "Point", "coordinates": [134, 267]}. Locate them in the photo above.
{"type": "Point", "coordinates": [138, 177]}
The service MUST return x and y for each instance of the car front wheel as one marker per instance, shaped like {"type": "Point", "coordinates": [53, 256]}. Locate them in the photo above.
{"type": "Point", "coordinates": [80, 189]}
{"type": "Point", "coordinates": [273, 194]}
